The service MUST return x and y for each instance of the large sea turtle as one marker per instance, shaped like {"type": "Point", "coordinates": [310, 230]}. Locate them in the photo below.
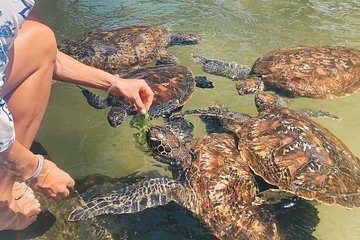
{"type": "Point", "coordinates": [314, 72]}
{"type": "Point", "coordinates": [172, 85]}
{"type": "Point", "coordinates": [211, 181]}
{"type": "Point", "coordinates": [124, 48]}
{"type": "Point", "coordinates": [292, 152]}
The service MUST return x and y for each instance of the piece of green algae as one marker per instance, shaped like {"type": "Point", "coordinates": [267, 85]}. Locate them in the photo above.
{"type": "Point", "coordinates": [141, 123]}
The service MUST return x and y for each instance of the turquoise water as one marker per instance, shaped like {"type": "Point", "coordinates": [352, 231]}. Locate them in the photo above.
{"type": "Point", "coordinates": [79, 139]}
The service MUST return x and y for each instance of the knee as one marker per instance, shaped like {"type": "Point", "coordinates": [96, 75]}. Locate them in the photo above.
{"type": "Point", "coordinates": [42, 38]}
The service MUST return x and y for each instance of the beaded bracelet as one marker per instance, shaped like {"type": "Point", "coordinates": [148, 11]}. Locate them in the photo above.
{"type": "Point", "coordinates": [112, 85]}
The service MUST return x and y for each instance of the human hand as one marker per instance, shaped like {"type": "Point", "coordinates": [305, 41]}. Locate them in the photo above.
{"type": "Point", "coordinates": [136, 90]}
{"type": "Point", "coordinates": [52, 182]}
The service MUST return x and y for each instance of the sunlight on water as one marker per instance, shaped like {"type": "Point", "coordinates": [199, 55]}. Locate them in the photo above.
{"type": "Point", "coordinates": [79, 139]}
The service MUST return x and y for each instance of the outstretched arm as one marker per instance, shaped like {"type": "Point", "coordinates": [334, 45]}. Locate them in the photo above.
{"type": "Point", "coordinates": [70, 70]}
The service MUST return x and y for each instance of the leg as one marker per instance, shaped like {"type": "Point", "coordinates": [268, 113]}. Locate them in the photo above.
{"type": "Point", "coordinates": [29, 74]}
{"type": "Point", "coordinates": [27, 90]}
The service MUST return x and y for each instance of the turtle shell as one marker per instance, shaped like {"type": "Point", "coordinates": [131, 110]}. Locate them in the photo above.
{"type": "Point", "coordinates": [298, 155]}
{"type": "Point", "coordinates": [316, 72]}
{"type": "Point", "coordinates": [225, 189]}
{"type": "Point", "coordinates": [168, 82]}
{"type": "Point", "coordinates": [124, 48]}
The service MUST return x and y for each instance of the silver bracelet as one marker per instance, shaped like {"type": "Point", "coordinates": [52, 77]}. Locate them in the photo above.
{"type": "Point", "coordinates": [39, 166]}
{"type": "Point", "coordinates": [36, 174]}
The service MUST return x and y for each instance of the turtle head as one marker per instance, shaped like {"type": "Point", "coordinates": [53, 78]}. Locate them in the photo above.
{"type": "Point", "coordinates": [167, 148]}
{"type": "Point", "coordinates": [264, 101]}
{"type": "Point", "coordinates": [184, 39]}
{"type": "Point", "coordinates": [203, 82]}
{"type": "Point", "coordinates": [249, 85]}
{"type": "Point", "coordinates": [116, 115]}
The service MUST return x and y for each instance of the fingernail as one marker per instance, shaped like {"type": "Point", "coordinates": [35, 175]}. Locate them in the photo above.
{"type": "Point", "coordinates": [143, 111]}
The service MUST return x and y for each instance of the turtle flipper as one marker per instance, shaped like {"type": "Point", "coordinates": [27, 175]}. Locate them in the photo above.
{"type": "Point", "coordinates": [231, 70]}
{"type": "Point", "coordinates": [217, 112]}
{"type": "Point", "coordinates": [94, 100]}
{"type": "Point", "coordinates": [183, 39]}
{"type": "Point", "coordinates": [163, 109]}
{"type": "Point", "coordinates": [311, 113]}
{"type": "Point", "coordinates": [180, 127]}
{"type": "Point", "coordinates": [217, 118]}
{"type": "Point", "coordinates": [116, 115]}
{"type": "Point", "coordinates": [167, 59]}
{"type": "Point", "coordinates": [273, 196]}
{"type": "Point", "coordinates": [135, 198]}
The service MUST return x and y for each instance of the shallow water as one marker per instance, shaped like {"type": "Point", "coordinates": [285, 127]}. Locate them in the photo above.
{"type": "Point", "coordinates": [79, 139]}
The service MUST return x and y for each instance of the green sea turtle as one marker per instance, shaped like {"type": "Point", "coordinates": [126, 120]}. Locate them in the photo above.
{"type": "Point", "coordinates": [292, 152]}
{"type": "Point", "coordinates": [172, 85]}
{"type": "Point", "coordinates": [210, 180]}
{"type": "Point", "coordinates": [124, 48]}
{"type": "Point", "coordinates": [314, 72]}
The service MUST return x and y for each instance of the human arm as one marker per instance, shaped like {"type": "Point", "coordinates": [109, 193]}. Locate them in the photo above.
{"type": "Point", "coordinates": [70, 70]}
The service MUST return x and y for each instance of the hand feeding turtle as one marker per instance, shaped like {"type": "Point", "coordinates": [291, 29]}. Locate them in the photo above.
{"type": "Point", "coordinates": [172, 85]}
{"type": "Point", "coordinates": [124, 48]}
{"type": "Point", "coordinates": [314, 72]}
{"type": "Point", "coordinates": [292, 152]}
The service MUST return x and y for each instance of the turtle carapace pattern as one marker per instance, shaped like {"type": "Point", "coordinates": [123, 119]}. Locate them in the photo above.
{"type": "Point", "coordinates": [123, 48]}
{"type": "Point", "coordinates": [314, 72]}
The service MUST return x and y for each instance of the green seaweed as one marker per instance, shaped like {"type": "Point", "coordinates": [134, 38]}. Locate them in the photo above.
{"type": "Point", "coordinates": [141, 123]}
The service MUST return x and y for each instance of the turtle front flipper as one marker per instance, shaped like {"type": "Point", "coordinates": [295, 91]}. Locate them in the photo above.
{"type": "Point", "coordinates": [183, 39]}
{"type": "Point", "coordinates": [166, 59]}
{"type": "Point", "coordinates": [94, 100]}
{"type": "Point", "coordinates": [231, 70]}
{"type": "Point", "coordinates": [311, 113]}
{"type": "Point", "coordinates": [273, 196]}
{"type": "Point", "coordinates": [163, 109]}
{"type": "Point", "coordinates": [180, 127]}
{"type": "Point", "coordinates": [116, 115]}
{"type": "Point", "coordinates": [135, 198]}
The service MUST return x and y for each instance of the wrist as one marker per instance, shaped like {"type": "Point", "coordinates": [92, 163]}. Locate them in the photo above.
{"type": "Point", "coordinates": [36, 168]}
{"type": "Point", "coordinates": [113, 83]}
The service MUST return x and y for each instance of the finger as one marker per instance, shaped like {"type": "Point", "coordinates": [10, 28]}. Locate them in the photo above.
{"type": "Point", "coordinates": [66, 193]}
{"type": "Point", "coordinates": [71, 184]}
{"type": "Point", "coordinates": [147, 96]}
{"type": "Point", "coordinates": [139, 105]}
{"type": "Point", "coordinates": [63, 194]}
{"type": "Point", "coordinates": [33, 217]}
{"type": "Point", "coordinates": [51, 195]}
{"type": "Point", "coordinates": [35, 212]}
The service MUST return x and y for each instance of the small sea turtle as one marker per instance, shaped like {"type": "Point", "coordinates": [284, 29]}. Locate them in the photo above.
{"type": "Point", "coordinates": [172, 85]}
{"type": "Point", "coordinates": [124, 48]}
{"type": "Point", "coordinates": [314, 72]}
{"type": "Point", "coordinates": [293, 152]}
{"type": "Point", "coordinates": [210, 180]}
